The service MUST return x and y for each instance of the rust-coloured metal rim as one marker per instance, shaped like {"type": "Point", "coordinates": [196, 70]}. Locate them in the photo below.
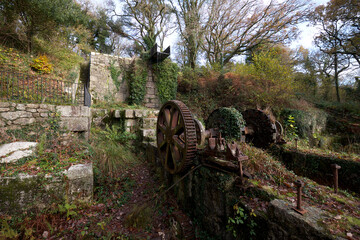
{"type": "Point", "coordinates": [176, 136]}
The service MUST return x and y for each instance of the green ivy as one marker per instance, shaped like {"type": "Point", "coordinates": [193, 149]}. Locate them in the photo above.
{"type": "Point", "coordinates": [229, 121]}
{"type": "Point", "coordinates": [166, 80]}
{"type": "Point", "coordinates": [115, 73]}
{"type": "Point", "coordinates": [137, 78]}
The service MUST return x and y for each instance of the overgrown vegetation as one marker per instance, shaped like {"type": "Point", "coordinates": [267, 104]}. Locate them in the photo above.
{"type": "Point", "coordinates": [54, 153]}
{"type": "Point", "coordinates": [137, 77]}
{"type": "Point", "coordinates": [166, 80]}
{"type": "Point", "coordinates": [270, 175]}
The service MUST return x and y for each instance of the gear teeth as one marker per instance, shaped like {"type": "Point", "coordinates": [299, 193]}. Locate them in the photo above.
{"type": "Point", "coordinates": [190, 136]}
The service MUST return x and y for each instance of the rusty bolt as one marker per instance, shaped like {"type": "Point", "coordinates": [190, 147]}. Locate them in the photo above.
{"type": "Point", "coordinates": [335, 168]}
{"type": "Point", "coordinates": [299, 185]}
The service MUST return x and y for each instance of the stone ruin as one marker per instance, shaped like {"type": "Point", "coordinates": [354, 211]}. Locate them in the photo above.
{"type": "Point", "coordinates": [102, 87]}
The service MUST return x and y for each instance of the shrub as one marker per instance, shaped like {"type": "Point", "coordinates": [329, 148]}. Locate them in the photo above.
{"type": "Point", "coordinates": [41, 64]}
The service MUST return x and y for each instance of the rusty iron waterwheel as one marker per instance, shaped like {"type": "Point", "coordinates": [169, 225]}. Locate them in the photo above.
{"type": "Point", "coordinates": [176, 136]}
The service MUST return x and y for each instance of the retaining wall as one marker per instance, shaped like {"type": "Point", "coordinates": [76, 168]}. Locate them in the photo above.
{"type": "Point", "coordinates": [319, 169]}
{"type": "Point", "coordinates": [17, 115]}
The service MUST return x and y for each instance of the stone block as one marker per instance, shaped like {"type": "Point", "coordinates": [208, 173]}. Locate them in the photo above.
{"type": "Point", "coordinates": [148, 134]}
{"type": "Point", "coordinates": [129, 113]}
{"type": "Point", "coordinates": [68, 111]}
{"type": "Point", "coordinates": [150, 84]}
{"type": "Point", "coordinates": [15, 115]}
{"type": "Point", "coordinates": [32, 110]}
{"type": "Point", "coordinates": [44, 115]}
{"type": "Point", "coordinates": [130, 123]}
{"type": "Point", "coordinates": [24, 121]}
{"type": "Point", "coordinates": [80, 182]}
{"type": "Point", "coordinates": [78, 124]}
{"type": "Point", "coordinates": [2, 123]}
{"type": "Point", "coordinates": [51, 108]}
{"type": "Point", "coordinates": [32, 106]}
{"type": "Point", "coordinates": [149, 123]}
{"type": "Point", "coordinates": [4, 104]}
{"type": "Point", "coordinates": [12, 152]}
{"type": "Point", "coordinates": [21, 107]}
{"type": "Point", "coordinates": [140, 113]}
{"type": "Point", "coordinates": [302, 226]}
{"type": "Point", "coordinates": [73, 111]}
{"type": "Point", "coordinates": [42, 110]}
{"type": "Point", "coordinates": [4, 109]}
{"type": "Point", "coordinates": [117, 114]}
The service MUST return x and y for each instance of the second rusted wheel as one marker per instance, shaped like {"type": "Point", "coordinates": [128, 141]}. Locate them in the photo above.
{"type": "Point", "coordinates": [176, 136]}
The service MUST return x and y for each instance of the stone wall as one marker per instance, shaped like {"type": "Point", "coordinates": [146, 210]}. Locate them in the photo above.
{"type": "Point", "coordinates": [35, 192]}
{"type": "Point", "coordinates": [151, 99]}
{"type": "Point", "coordinates": [17, 115]}
{"type": "Point", "coordinates": [102, 87]}
{"type": "Point", "coordinates": [318, 167]}
{"type": "Point", "coordinates": [138, 121]}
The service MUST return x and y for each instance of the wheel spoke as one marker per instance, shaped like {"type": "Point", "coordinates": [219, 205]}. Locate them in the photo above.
{"type": "Point", "coordinates": [178, 142]}
{"type": "Point", "coordinates": [167, 116]}
{"type": "Point", "coordinates": [174, 118]}
{"type": "Point", "coordinates": [175, 155]}
{"type": "Point", "coordinates": [161, 144]}
{"type": "Point", "coordinates": [169, 159]}
{"type": "Point", "coordinates": [179, 127]}
{"type": "Point", "coordinates": [162, 127]}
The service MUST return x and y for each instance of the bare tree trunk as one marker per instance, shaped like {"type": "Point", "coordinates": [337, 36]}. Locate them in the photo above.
{"type": "Point", "coordinates": [336, 77]}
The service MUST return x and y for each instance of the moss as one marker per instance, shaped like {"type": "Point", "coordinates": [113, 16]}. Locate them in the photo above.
{"type": "Point", "coordinates": [353, 221]}
{"type": "Point", "coordinates": [17, 194]}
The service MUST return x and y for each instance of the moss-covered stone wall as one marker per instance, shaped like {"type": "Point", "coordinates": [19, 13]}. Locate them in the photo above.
{"type": "Point", "coordinates": [319, 169]}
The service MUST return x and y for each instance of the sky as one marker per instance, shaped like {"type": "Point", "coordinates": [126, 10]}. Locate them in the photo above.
{"type": "Point", "coordinates": [305, 38]}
